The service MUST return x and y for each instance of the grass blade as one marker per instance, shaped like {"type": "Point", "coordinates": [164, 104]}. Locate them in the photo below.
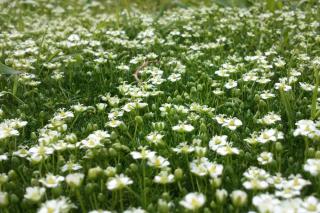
{"type": "Point", "coordinates": [4, 69]}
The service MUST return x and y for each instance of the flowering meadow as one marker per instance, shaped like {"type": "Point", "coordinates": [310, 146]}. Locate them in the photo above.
{"type": "Point", "coordinates": [159, 106]}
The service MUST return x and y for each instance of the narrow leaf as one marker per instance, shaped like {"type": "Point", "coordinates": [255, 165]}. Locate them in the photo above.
{"type": "Point", "coordinates": [4, 69]}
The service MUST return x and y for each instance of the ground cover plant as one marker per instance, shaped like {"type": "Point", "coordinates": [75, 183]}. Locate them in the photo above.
{"type": "Point", "coordinates": [159, 106]}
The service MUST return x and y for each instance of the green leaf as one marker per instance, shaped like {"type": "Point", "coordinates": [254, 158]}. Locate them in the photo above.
{"type": "Point", "coordinates": [4, 69]}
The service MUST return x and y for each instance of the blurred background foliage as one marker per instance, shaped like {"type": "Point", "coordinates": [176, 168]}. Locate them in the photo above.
{"type": "Point", "coordinates": [15, 11]}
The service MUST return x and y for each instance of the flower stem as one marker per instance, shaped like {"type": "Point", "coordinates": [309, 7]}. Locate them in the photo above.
{"type": "Point", "coordinates": [315, 95]}
{"type": "Point", "coordinates": [83, 209]}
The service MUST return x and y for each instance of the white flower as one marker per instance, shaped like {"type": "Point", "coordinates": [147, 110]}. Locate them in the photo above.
{"type": "Point", "coordinates": [158, 162]}
{"type": "Point", "coordinates": [100, 134]}
{"type": "Point", "coordinates": [164, 177]}
{"type": "Point", "coordinates": [218, 91]}
{"type": "Point", "coordinates": [134, 210]}
{"type": "Point", "coordinates": [231, 84]}
{"type": "Point", "coordinates": [61, 205]}
{"type": "Point", "coordinates": [269, 135]}
{"type": "Point", "coordinates": [193, 201]}
{"type": "Point", "coordinates": [255, 184]}
{"type": "Point", "coordinates": [51, 181]}
{"type": "Point", "coordinates": [155, 138]}
{"type": "Point", "coordinates": [214, 169]}
{"type": "Point", "coordinates": [99, 211]}
{"type": "Point", "coordinates": [256, 178]}
{"type": "Point", "coordinates": [182, 127]}
{"type": "Point", "coordinates": [267, 95]}
{"type": "Point", "coordinates": [198, 166]}
{"type": "Point", "coordinates": [287, 192]}
{"type": "Point", "coordinates": [75, 179]}
{"type": "Point", "coordinates": [277, 181]}
{"type": "Point", "coordinates": [174, 77]}
{"type": "Point", "coordinates": [312, 166]}
{"type": "Point", "coordinates": [34, 194]}
{"type": "Point", "coordinates": [310, 204]}
{"type": "Point", "coordinates": [254, 172]}
{"type": "Point", "coordinates": [282, 86]}
{"type": "Point", "coordinates": [227, 150]}
{"type": "Point", "coordinates": [306, 87]}
{"type": "Point", "coordinates": [63, 115]}
{"type": "Point", "coordinates": [79, 107]}
{"type": "Point", "coordinates": [202, 166]}
{"type": "Point", "coordinates": [288, 206]}
{"type": "Point", "coordinates": [217, 141]}
{"type": "Point", "coordinates": [92, 142]}
{"type": "Point", "coordinates": [3, 157]}
{"type": "Point", "coordinates": [6, 132]}
{"type": "Point", "coordinates": [296, 182]}
{"type": "Point", "coordinates": [183, 147]}
{"type": "Point", "coordinates": [265, 203]}
{"type": "Point", "coordinates": [265, 158]}
{"type": "Point", "coordinates": [220, 119]}
{"type": "Point", "coordinates": [115, 114]}
{"type": "Point", "coordinates": [70, 166]}
{"type": "Point", "coordinates": [306, 128]}
{"type": "Point", "coordinates": [270, 118]}
{"type": "Point", "coordinates": [38, 153]}
{"type": "Point", "coordinates": [232, 123]}
{"type": "Point", "coordinates": [143, 154]}
{"type": "Point", "coordinates": [119, 182]}
{"type": "Point", "coordinates": [114, 123]}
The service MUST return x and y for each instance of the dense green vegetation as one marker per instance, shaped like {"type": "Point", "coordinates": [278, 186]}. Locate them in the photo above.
{"type": "Point", "coordinates": [159, 106]}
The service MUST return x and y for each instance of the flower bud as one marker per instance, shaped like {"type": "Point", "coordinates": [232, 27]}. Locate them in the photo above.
{"type": "Point", "coordinates": [203, 127]}
{"type": "Point", "coordinates": [178, 174]}
{"type": "Point", "coordinates": [113, 135]}
{"type": "Point", "coordinates": [213, 204]}
{"type": "Point", "coordinates": [154, 107]}
{"type": "Point", "coordinates": [14, 198]}
{"type": "Point", "coordinates": [57, 191]}
{"type": "Point", "coordinates": [3, 178]}
{"type": "Point", "coordinates": [101, 107]}
{"type": "Point", "coordinates": [215, 182]}
{"type": "Point", "coordinates": [93, 173]}
{"type": "Point", "coordinates": [311, 152]}
{"type": "Point", "coordinates": [112, 152]}
{"type": "Point", "coordinates": [4, 199]}
{"type": "Point", "coordinates": [89, 188]}
{"type": "Point", "coordinates": [279, 146]}
{"type": "Point", "coordinates": [101, 197]}
{"type": "Point", "coordinates": [256, 98]}
{"type": "Point", "coordinates": [163, 206]}
{"type": "Point", "coordinates": [150, 207]}
{"type": "Point", "coordinates": [239, 198]}
{"type": "Point", "coordinates": [221, 195]}
{"type": "Point", "coordinates": [159, 126]}
{"type": "Point", "coordinates": [166, 196]}
{"type": "Point", "coordinates": [148, 115]}
{"type": "Point", "coordinates": [133, 167]}
{"type": "Point", "coordinates": [206, 210]}
{"type": "Point", "coordinates": [12, 175]}
{"type": "Point", "coordinates": [110, 171]}
{"type": "Point", "coordinates": [139, 120]}
{"type": "Point", "coordinates": [71, 138]}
